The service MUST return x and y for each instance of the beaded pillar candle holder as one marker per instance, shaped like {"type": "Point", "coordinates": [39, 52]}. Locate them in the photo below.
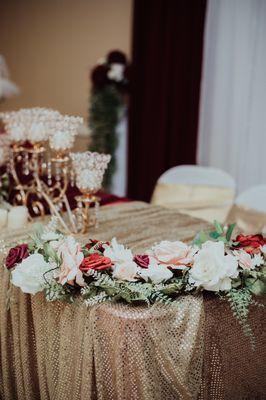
{"type": "Point", "coordinates": [89, 170]}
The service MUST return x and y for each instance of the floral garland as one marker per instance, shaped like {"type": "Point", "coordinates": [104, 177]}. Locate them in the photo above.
{"type": "Point", "coordinates": [107, 271]}
{"type": "Point", "coordinates": [110, 86]}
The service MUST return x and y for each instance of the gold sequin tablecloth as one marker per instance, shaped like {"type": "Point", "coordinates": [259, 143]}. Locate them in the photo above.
{"type": "Point", "coordinates": [193, 349]}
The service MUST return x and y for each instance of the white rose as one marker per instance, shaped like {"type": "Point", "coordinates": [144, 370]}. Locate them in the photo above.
{"type": "Point", "coordinates": [156, 273]}
{"type": "Point", "coordinates": [29, 274]}
{"type": "Point", "coordinates": [116, 72]}
{"type": "Point", "coordinates": [212, 269]}
{"type": "Point", "coordinates": [263, 249]}
{"type": "Point", "coordinates": [125, 271]}
{"type": "Point", "coordinates": [118, 253]}
{"type": "Point", "coordinates": [257, 260]}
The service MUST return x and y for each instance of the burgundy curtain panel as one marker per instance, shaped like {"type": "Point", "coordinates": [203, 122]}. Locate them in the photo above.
{"type": "Point", "coordinates": [166, 73]}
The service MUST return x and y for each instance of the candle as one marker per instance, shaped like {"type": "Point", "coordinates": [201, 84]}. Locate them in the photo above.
{"type": "Point", "coordinates": [17, 217]}
{"type": "Point", "coordinates": [3, 217]}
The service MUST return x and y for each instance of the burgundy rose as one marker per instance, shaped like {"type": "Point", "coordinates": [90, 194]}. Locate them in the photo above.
{"type": "Point", "coordinates": [99, 76]}
{"type": "Point", "coordinates": [116, 56]}
{"type": "Point", "coordinates": [16, 255]}
{"type": "Point", "coordinates": [91, 243]}
{"type": "Point", "coordinates": [250, 243]}
{"type": "Point", "coordinates": [97, 244]}
{"type": "Point", "coordinates": [142, 260]}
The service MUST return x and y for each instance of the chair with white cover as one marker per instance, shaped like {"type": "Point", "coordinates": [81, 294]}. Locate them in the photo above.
{"type": "Point", "coordinates": [249, 210]}
{"type": "Point", "coordinates": [202, 192]}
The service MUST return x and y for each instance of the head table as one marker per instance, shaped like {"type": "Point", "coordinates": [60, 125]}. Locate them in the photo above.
{"type": "Point", "coordinates": [191, 349]}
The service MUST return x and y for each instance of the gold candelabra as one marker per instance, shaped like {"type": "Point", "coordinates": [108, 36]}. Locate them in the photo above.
{"type": "Point", "coordinates": [41, 179]}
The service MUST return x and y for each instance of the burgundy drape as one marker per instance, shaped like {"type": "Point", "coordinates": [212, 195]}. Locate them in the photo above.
{"type": "Point", "coordinates": [166, 72]}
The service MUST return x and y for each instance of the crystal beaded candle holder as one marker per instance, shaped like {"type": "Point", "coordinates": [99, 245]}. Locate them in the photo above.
{"type": "Point", "coordinates": [49, 177]}
{"type": "Point", "coordinates": [30, 165]}
{"type": "Point", "coordinates": [89, 170]}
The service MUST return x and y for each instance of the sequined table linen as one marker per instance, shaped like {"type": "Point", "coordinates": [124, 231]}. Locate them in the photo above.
{"type": "Point", "coordinates": [54, 351]}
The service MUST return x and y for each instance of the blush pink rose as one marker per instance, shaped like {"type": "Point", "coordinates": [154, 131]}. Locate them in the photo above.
{"type": "Point", "coordinates": [125, 271]}
{"type": "Point", "coordinates": [70, 252]}
{"type": "Point", "coordinates": [244, 259]}
{"type": "Point", "coordinates": [175, 254]}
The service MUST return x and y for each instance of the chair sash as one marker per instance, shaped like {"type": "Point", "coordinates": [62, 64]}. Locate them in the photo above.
{"type": "Point", "coordinates": [205, 202]}
{"type": "Point", "coordinates": [247, 219]}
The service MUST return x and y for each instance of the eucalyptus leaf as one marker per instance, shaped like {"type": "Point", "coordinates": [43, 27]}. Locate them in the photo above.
{"type": "Point", "coordinates": [258, 287]}
{"type": "Point", "coordinates": [197, 243]}
{"type": "Point", "coordinates": [203, 237]}
{"type": "Point", "coordinates": [214, 235]}
{"type": "Point", "coordinates": [230, 231]}
{"type": "Point", "coordinates": [172, 288]}
{"type": "Point", "coordinates": [51, 253]}
{"type": "Point", "coordinates": [219, 228]}
{"type": "Point", "coordinates": [236, 283]}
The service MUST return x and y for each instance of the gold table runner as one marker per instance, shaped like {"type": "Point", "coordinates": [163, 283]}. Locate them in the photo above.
{"type": "Point", "coordinates": [54, 351]}
{"type": "Point", "coordinates": [135, 224]}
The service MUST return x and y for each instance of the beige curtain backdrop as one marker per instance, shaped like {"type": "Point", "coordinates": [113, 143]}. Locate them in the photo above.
{"type": "Point", "coordinates": [50, 47]}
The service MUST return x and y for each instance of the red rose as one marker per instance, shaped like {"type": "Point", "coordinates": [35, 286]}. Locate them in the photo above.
{"type": "Point", "coordinates": [96, 262]}
{"type": "Point", "coordinates": [116, 57]}
{"type": "Point", "coordinates": [142, 260]}
{"type": "Point", "coordinates": [250, 243]}
{"type": "Point", "coordinates": [97, 244]}
{"type": "Point", "coordinates": [16, 255]}
{"type": "Point", "coordinates": [91, 243]}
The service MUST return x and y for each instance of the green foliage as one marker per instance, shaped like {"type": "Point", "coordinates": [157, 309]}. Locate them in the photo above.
{"type": "Point", "coordinates": [219, 234]}
{"type": "Point", "coordinates": [104, 112]}
{"type": "Point", "coordinates": [240, 301]}
{"type": "Point", "coordinates": [100, 286]}
{"type": "Point", "coordinates": [255, 281]}
{"type": "Point", "coordinates": [230, 231]}
{"type": "Point", "coordinates": [54, 291]}
{"type": "Point", "coordinates": [129, 291]}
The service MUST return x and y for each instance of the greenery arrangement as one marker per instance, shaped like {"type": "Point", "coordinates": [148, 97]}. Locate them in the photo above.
{"type": "Point", "coordinates": [65, 270]}
{"type": "Point", "coordinates": [110, 83]}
